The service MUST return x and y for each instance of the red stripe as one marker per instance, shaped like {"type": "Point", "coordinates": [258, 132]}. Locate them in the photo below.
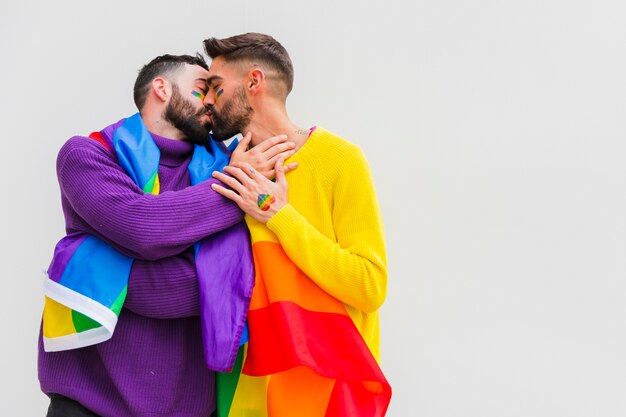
{"type": "Point", "coordinates": [98, 136]}
{"type": "Point", "coordinates": [353, 398]}
{"type": "Point", "coordinates": [284, 335]}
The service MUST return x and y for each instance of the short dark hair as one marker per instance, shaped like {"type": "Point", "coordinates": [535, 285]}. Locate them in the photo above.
{"type": "Point", "coordinates": [161, 65]}
{"type": "Point", "coordinates": [254, 47]}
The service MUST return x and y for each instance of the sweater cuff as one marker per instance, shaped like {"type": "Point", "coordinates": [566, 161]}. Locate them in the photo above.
{"type": "Point", "coordinates": [284, 220]}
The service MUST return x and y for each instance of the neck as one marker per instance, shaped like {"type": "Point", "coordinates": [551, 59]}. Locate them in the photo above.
{"type": "Point", "coordinates": [157, 125]}
{"type": "Point", "coordinates": [273, 121]}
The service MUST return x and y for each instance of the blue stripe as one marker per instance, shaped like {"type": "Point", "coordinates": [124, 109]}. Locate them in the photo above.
{"type": "Point", "coordinates": [97, 271]}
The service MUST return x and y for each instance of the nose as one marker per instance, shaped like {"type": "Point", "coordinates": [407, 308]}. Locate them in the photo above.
{"type": "Point", "coordinates": [209, 100]}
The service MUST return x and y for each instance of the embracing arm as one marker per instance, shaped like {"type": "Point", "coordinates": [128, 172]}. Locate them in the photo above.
{"type": "Point", "coordinates": [145, 226]}
{"type": "Point", "coordinates": [164, 289]}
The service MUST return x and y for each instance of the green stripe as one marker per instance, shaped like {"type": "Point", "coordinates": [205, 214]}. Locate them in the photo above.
{"type": "Point", "coordinates": [150, 184]}
{"type": "Point", "coordinates": [82, 322]}
{"type": "Point", "coordinates": [226, 384]}
{"type": "Point", "coordinates": [117, 304]}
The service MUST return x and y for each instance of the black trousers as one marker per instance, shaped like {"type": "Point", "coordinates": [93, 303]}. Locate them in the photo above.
{"type": "Point", "coordinates": [61, 406]}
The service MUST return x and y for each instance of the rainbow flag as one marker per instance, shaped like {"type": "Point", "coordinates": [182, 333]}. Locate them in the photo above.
{"type": "Point", "coordinates": [305, 357]}
{"type": "Point", "coordinates": [88, 279]}
{"type": "Point", "coordinates": [84, 292]}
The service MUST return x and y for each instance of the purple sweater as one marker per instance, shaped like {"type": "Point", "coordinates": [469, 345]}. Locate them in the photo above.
{"type": "Point", "coordinates": [153, 365]}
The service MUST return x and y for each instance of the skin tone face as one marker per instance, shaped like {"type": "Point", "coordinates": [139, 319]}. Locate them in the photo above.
{"type": "Point", "coordinates": [192, 81]}
{"type": "Point", "coordinates": [226, 99]}
{"type": "Point", "coordinates": [230, 109]}
{"type": "Point", "coordinates": [185, 109]}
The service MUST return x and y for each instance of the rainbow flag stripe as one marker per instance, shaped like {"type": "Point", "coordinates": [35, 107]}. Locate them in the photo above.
{"type": "Point", "coordinates": [78, 313]}
{"type": "Point", "coordinates": [305, 356]}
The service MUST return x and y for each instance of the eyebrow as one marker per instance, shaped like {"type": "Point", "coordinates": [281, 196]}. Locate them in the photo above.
{"type": "Point", "coordinates": [212, 78]}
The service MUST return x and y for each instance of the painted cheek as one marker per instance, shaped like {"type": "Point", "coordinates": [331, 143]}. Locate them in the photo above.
{"type": "Point", "coordinates": [218, 94]}
{"type": "Point", "coordinates": [196, 94]}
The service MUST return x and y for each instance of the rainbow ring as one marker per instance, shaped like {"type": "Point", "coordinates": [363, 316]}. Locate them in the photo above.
{"type": "Point", "coordinates": [265, 201]}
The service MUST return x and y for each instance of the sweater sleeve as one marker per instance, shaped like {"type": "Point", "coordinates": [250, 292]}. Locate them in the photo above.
{"type": "Point", "coordinates": [352, 268]}
{"type": "Point", "coordinates": [164, 289]}
{"type": "Point", "coordinates": [143, 226]}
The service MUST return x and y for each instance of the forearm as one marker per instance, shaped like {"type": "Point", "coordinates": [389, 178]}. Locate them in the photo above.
{"type": "Point", "coordinates": [164, 289]}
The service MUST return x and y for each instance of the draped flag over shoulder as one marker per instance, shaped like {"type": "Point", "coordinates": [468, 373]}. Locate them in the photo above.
{"type": "Point", "coordinates": [87, 280]}
{"type": "Point", "coordinates": [305, 357]}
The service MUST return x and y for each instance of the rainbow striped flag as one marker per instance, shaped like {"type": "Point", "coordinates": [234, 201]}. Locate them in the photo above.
{"type": "Point", "coordinates": [88, 279]}
{"type": "Point", "coordinates": [305, 357]}
{"type": "Point", "coordinates": [84, 292]}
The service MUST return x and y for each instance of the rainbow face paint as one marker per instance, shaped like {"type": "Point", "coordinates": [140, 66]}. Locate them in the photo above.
{"type": "Point", "coordinates": [196, 94]}
{"type": "Point", "coordinates": [265, 201]}
{"type": "Point", "coordinates": [218, 94]}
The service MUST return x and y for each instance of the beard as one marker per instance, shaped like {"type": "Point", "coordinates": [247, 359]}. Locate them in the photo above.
{"type": "Point", "coordinates": [234, 117]}
{"type": "Point", "coordinates": [184, 116]}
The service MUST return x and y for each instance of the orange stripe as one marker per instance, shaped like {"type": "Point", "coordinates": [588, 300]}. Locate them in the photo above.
{"type": "Point", "coordinates": [298, 392]}
{"type": "Point", "coordinates": [279, 279]}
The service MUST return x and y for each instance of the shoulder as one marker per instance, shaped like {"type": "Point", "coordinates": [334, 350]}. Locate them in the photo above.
{"type": "Point", "coordinates": [83, 148]}
{"type": "Point", "coordinates": [335, 150]}
{"type": "Point", "coordinates": [84, 143]}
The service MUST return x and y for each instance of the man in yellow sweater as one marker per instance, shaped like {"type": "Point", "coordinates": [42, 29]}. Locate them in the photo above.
{"type": "Point", "coordinates": [318, 243]}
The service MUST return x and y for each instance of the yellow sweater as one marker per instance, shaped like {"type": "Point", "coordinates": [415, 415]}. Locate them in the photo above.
{"type": "Point", "coordinates": [332, 228]}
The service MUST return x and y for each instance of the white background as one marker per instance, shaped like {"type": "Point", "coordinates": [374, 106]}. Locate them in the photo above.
{"type": "Point", "coordinates": [495, 131]}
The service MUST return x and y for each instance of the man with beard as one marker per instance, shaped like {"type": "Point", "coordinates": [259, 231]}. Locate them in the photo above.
{"type": "Point", "coordinates": [154, 362]}
{"type": "Point", "coordinates": [319, 251]}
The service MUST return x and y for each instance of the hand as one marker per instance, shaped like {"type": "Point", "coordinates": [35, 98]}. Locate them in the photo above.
{"type": "Point", "coordinates": [263, 156]}
{"type": "Point", "coordinates": [247, 185]}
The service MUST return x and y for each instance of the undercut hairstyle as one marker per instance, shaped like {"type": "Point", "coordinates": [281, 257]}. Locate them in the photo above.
{"type": "Point", "coordinates": [164, 65]}
{"type": "Point", "coordinates": [254, 48]}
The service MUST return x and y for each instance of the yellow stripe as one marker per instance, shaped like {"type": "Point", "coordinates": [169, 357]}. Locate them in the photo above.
{"type": "Point", "coordinates": [258, 231]}
{"type": "Point", "coordinates": [157, 186]}
{"type": "Point", "coordinates": [250, 399]}
{"type": "Point", "coordinates": [57, 320]}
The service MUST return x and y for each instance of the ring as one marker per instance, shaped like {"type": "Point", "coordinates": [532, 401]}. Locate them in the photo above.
{"type": "Point", "coordinates": [265, 201]}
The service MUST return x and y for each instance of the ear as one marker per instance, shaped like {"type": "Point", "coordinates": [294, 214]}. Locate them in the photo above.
{"type": "Point", "coordinates": [256, 80]}
{"type": "Point", "coordinates": [161, 88]}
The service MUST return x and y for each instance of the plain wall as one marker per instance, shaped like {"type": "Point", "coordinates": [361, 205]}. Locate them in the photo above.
{"type": "Point", "coordinates": [496, 135]}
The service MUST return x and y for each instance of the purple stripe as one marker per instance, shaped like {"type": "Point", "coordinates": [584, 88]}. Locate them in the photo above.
{"type": "Point", "coordinates": [63, 252]}
{"type": "Point", "coordinates": [225, 278]}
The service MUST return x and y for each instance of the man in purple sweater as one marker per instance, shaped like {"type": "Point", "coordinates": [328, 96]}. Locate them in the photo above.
{"type": "Point", "coordinates": [153, 365]}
